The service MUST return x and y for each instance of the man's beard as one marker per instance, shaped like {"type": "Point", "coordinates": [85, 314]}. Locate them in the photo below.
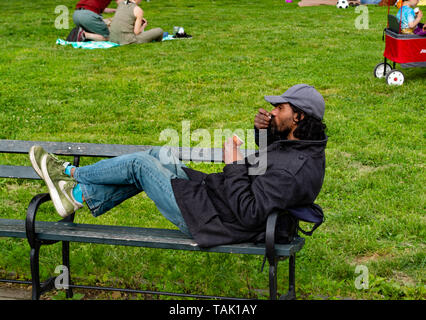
{"type": "Point", "coordinates": [279, 135]}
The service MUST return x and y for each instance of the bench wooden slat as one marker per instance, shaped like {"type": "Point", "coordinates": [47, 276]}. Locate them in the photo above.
{"type": "Point", "coordinates": [133, 236]}
{"type": "Point", "coordinates": [110, 150]}
{"type": "Point", "coordinates": [12, 228]}
{"type": "Point", "coordinates": [18, 172]}
{"type": "Point", "coordinates": [71, 149]}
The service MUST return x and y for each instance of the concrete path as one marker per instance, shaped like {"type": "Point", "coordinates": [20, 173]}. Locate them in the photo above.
{"type": "Point", "coordinates": [14, 292]}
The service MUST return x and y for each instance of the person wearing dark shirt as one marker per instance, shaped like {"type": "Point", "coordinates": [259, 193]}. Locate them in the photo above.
{"type": "Point", "coordinates": [214, 209]}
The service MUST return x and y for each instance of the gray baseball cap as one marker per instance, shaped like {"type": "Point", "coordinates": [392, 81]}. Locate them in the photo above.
{"type": "Point", "coordinates": [304, 97]}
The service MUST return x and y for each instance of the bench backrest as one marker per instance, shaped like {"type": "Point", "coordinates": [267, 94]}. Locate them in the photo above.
{"type": "Point", "coordinates": [78, 150]}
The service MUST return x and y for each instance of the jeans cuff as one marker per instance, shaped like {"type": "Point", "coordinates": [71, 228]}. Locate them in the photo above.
{"type": "Point", "coordinates": [89, 202]}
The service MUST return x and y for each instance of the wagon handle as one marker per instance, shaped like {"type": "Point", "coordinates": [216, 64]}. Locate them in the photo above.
{"type": "Point", "coordinates": [400, 20]}
{"type": "Point", "coordinates": [388, 13]}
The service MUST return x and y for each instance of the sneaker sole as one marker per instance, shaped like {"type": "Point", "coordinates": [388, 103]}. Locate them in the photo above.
{"type": "Point", "coordinates": [54, 195]}
{"type": "Point", "coordinates": [34, 163]}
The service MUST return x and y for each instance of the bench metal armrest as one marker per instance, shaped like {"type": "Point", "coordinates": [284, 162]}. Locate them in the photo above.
{"type": "Point", "coordinates": [30, 219]}
{"type": "Point", "coordinates": [31, 216]}
{"type": "Point", "coordinates": [271, 224]}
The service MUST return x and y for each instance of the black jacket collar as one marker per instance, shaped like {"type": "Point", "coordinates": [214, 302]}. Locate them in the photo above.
{"type": "Point", "coordinates": [314, 146]}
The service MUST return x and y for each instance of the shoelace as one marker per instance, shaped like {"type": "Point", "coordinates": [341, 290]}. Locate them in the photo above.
{"type": "Point", "coordinates": [60, 162]}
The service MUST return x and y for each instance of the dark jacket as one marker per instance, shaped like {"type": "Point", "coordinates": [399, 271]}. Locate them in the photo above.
{"type": "Point", "coordinates": [232, 206]}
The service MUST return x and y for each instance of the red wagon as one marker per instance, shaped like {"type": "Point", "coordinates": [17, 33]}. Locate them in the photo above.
{"type": "Point", "coordinates": [409, 50]}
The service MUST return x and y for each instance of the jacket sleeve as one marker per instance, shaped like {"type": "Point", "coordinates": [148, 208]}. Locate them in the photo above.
{"type": "Point", "coordinates": [252, 202]}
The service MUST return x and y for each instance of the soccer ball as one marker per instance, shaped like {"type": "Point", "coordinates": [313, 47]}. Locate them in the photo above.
{"type": "Point", "coordinates": [342, 4]}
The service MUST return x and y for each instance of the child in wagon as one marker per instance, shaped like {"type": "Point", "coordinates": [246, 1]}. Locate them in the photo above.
{"type": "Point", "coordinates": [410, 19]}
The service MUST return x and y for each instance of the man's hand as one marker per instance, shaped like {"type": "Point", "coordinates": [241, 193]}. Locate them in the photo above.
{"type": "Point", "coordinates": [231, 152]}
{"type": "Point", "coordinates": [262, 119]}
{"type": "Point", "coordinates": [144, 22]}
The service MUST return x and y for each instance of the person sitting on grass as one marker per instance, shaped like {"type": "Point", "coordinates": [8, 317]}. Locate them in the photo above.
{"type": "Point", "coordinates": [88, 17]}
{"type": "Point", "coordinates": [219, 208]}
{"type": "Point", "coordinates": [128, 25]}
{"type": "Point", "coordinates": [409, 20]}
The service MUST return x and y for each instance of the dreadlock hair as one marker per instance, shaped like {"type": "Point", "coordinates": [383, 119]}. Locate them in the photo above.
{"type": "Point", "coordinates": [308, 128]}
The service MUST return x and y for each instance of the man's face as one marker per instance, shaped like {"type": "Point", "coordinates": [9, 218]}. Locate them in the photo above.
{"type": "Point", "coordinates": [284, 120]}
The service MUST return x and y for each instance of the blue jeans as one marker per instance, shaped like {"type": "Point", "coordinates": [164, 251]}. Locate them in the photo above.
{"type": "Point", "coordinates": [91, 22]}
{"type": "Point", "coordinates": [109, 182]}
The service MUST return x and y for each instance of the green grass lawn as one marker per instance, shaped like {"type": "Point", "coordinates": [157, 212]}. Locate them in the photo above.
{"type": "Point", "coordinates": [373, 194]}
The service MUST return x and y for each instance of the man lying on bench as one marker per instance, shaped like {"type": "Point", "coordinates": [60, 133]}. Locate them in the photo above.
{"type": "Point", "coordinates": [219, 208]}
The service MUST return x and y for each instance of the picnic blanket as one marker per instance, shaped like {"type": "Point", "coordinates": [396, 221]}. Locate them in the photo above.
{"type": "Point", "coordinates": [102, 44]}
{"type": "Point", "coordinates": [88, 44]}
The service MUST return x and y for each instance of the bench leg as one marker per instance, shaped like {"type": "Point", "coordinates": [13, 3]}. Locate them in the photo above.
{"type": "Point", "coordinates": [273, 280]}
{"type": "Point", "coordinates": [35, 275]}
{"type": "Point", "coordinates": [291, 294]}
{"type": "Point", "coordinates": [66, 262]}
{"type": "Point", "coordinates": [37, 287]}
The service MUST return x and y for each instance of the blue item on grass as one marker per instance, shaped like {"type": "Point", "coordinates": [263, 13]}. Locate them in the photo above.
{"type": "Point", "coordinates": [370, 1]}
{"type": "Point", "coordinates": [88, 44]}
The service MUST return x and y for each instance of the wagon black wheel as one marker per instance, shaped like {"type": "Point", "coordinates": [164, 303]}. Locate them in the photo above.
{"type": "Point", "coordinates": [379, 70]}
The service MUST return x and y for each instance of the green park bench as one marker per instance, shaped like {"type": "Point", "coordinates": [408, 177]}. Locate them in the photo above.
{"type": "Point", "coordinates": [40, 233]}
